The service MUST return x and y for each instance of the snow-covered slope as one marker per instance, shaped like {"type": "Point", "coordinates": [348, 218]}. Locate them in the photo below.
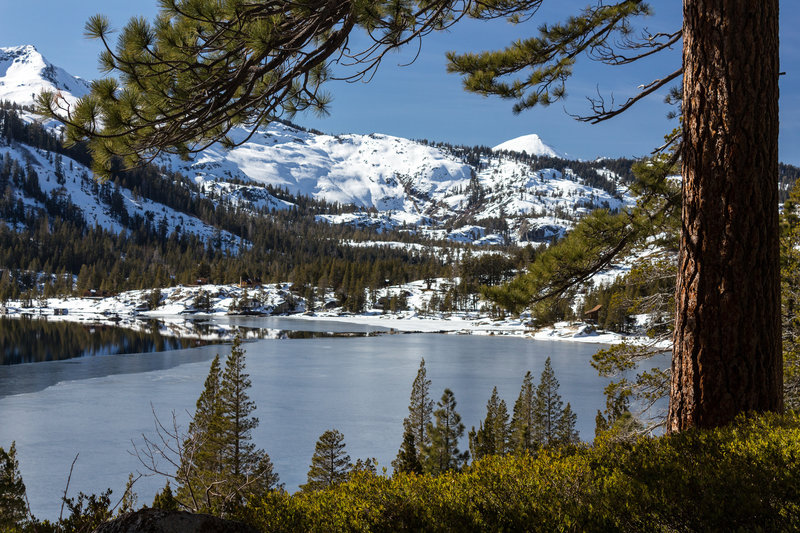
{"type": "Point", "coordinates": [398, 182]}
{"type": "Point", "coordinates": [387, 173]}
{"type": "Point", "coordinates": [65, 180]}
{"type": "Point", "coordinates": [530, 144]}
{"type": "Point", "coordinates": [24, 73]}
{"type": "Point", "coordinates": [464, 194]}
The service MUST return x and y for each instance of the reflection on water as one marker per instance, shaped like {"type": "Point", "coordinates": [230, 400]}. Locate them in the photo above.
{"type": "Point", "coordinates": [26, 340]}
{"type": "Point", "coordinates": [30, 340]}
{"type": "Point", "coordinates": [292, 334]}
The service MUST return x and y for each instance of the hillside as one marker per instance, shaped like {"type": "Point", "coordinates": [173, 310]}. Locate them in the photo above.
{"type": "Point", "coordinates": [24, 73]}
{"type": "Point", "coordinates": [464, 194]}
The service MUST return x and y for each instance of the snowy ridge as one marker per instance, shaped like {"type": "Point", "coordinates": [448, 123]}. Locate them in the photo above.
{"type": "Point", "coordinates": [364, 170]}
{"type": "Point", "coordinates": [530, 144]}
{"type": "Point", "coordinates": [402, 183]}
{"type": "Point", "coordinates": [397, 184]}
{"type": "Point", "coordinates": [24, 73]}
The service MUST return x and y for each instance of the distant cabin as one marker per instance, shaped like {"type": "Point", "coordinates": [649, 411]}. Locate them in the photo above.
{"type": "Point", "coordinates": [593, 315]}
{"type": "Point", "coordinates": [97, 293]}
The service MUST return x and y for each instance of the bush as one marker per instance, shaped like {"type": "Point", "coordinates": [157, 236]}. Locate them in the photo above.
{"type": "Point", "coordinates": [745, 477]}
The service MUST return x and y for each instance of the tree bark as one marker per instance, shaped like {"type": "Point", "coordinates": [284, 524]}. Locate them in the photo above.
{"type": "Point", "coordinates": [727, 351]}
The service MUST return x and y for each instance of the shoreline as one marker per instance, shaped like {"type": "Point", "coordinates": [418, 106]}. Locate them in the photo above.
{"type": "Point", "coordinates": [177, 314]}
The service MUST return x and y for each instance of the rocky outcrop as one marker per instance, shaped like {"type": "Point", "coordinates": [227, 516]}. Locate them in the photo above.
{"type": "Point", "coordinates": [158, 521]}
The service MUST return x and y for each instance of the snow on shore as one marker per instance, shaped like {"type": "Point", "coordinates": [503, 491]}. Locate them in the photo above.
{"type": "Point", "coordinates": [178, 307]}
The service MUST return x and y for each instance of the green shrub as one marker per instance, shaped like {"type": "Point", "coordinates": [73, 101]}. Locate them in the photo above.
{"type": "Point", "coordinates": [745, 477]}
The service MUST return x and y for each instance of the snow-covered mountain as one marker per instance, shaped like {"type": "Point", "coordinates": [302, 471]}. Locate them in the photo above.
{"type": "Point", "coordinates": [530, 144]}
{"type": "Point", "coordinates": [24, 73]}
{"type": "Point", "coordinates": [387, 173]}
{"type": "Point", "coordinates": [464, 194]}
{"type": "Point", "coordinates": [64, 181]}
{"type": "Point", "coordinates": [398, 182]}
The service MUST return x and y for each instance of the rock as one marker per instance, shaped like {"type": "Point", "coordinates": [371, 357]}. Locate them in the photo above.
{"type": "Point", "coordinates": [158, 521]}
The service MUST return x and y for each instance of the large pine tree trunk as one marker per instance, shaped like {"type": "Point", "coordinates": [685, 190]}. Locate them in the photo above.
{"type": "Point", "coordinates": [727, 351]}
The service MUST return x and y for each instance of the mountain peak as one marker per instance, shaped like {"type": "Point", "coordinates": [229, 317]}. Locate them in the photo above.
{"type": "Point", "coordinates": [24, 72]}
{"type": "Point", "coordinates": [530, 144]}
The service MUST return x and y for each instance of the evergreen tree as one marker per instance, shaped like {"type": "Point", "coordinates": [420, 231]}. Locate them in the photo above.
{"type": "Point", "coordinates": [248, 470]}
{"type": "Point", "coordinates": [330, 464]}
{"type": "Point", "coordinates": [492, 437]}
{"type": "Point", "coordinates": [407, 457]}
{"type": "Point", "coordinates": [420, 409]}
{"type": "Point", "coordinates": [523, 430]}
{"type": "Point", "coordinates": [565, 429]}
{"type": "Point", "coordinates": [556, 423]}
{"type": "Point", "coordinates": [539, 417]}
{"type": "Point", "coordinates": [549, 406]}
{"type": "Point", "coordinates": [442, 454]}
{"type": "Point", "coordinates": [202, 461]}
{"type": "Point", "coordinates": [13, 506]}
{"type": "Point", "coordinates": [165, 500]}
{"type": "Point", "coordinates": [729, 190]}
{"type": "Point", "coordinates": [220, 466]}
{"type": "Point", "coordinates": [727, 356]}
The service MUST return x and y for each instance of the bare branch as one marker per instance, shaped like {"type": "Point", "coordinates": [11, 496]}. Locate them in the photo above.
{"type": "Point", "coordinates": [66, 488]}
{"type": "Point", "coordinates": [601, 113]}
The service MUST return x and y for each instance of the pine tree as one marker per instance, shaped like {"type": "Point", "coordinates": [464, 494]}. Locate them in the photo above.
{"type": "Point", "coordinates": [556, 423]}
{"type": "Point", "coordinates": [220, 466]}
{"type": "Point", "coordinates": [524, 429]}
{"type": "Point", "coordinates": [549, 406]}
{"type": "Point", "coordinates": [442, 454]}
{"type": "Point", "coordinates": [245, 466]}
{"type": "Point", "coordinates": [727, 356]}
{"type": "Point", "coordinates": [729, 192]}
{"type": "Point", "coordinates": [407, 457]}
{"type": "Point", "coordinates": [420, 409]}
{"type": "Point", "coordinates": [330, 464]}
{"type": "Point", "coordinates": [13, 506]}
{"type": "Point", "coordinates": [492, 437]}
{"type": "Point", "coordinates": [202, 461]}
{"type": "Point", "coordinates": [565, 429]}
{"type": "Point", "coordinates": [165, 500]}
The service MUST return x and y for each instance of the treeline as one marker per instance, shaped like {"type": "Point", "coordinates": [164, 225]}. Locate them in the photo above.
{"type": "Point", "coordinates": [278, 245]}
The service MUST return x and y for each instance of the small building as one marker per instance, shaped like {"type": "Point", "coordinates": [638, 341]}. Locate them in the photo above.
{"type": "Point", "coordinates": [593, 315]}
{"type": "Point", "coordinates": [60, 311]}
{"type": "Point", "coordinates": [245, 283]}
{"type": "Point", "coordinates": [97, 293]}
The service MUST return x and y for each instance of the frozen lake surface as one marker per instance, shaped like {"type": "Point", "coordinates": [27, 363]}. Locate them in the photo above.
{"type": "Point", "coordinates": [97, 406]}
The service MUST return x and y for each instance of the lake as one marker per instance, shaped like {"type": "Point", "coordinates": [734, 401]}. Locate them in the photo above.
{"type": "Point", "coordinates": [98, 407]}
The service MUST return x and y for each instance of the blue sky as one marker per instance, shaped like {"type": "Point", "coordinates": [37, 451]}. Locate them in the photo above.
{"type": "Point", "coordinates": [423, 101]}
